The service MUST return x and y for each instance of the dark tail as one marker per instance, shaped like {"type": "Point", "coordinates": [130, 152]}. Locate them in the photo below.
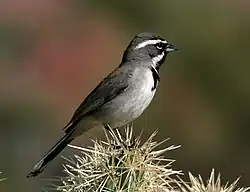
{"type": "Point", "coordinates": [56, 149]}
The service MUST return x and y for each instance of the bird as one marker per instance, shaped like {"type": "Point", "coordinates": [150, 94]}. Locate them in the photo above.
{"type": "Point", "coordinates": [119, 98]}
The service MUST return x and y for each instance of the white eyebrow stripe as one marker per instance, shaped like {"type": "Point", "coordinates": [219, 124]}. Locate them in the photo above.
{"type": "Point", "coordinates": [149, 42]}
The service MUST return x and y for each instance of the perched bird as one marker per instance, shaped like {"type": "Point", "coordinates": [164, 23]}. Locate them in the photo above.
{"type": "Point", "coordinates": [119, 98]}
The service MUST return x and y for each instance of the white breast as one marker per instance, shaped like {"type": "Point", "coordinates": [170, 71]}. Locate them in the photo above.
{"type": "Point", "coordinates": [129, 105]}
{"type": "Point", "coordinates": [142, 93]}
{"type": "Point", "coordinates": [145, 81]}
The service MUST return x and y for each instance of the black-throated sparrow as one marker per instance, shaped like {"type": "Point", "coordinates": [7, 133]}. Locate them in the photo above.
{"type": "Point", "coordinates": [121, 97]}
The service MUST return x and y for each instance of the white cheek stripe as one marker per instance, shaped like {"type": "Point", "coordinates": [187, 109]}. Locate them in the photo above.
{"type": "Point", "coordinates": [149, 42]}
{"type": "Point", "coordinates": [158, 58]}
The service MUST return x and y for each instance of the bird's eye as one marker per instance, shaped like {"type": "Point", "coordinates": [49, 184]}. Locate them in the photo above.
{"type": "Point", "coordinates": [160, 46]}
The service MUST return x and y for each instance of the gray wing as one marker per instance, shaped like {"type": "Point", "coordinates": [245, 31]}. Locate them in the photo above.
{"type": "Point", "coordinates": [114, 84]}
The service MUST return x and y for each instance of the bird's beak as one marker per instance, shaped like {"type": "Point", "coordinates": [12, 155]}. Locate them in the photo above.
{"type": "Point", "coordinates": [171, 48]}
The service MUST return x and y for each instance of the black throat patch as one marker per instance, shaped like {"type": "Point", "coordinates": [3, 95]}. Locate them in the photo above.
{"type": "Point", "coordinates": [156, 77]}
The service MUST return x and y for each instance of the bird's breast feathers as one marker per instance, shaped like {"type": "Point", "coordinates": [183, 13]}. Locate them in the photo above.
{"type": "Point", "coordinates": [141, 93]}
{"type": "Point", "coordinates": [130, 104]}
{"type": "Point", "coordinates": [145, 80]}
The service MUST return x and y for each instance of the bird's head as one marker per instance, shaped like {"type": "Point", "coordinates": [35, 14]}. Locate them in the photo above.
{"type": "Point", "coordinates": [148, 46]}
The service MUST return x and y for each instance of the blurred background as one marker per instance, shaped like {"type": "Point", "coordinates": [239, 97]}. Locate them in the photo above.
{"type": "Point", "coordinates": [53, 53]}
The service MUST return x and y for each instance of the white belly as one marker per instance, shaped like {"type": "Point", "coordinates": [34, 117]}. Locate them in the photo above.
{"type": "Point", "coordinates": [131, 104]}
